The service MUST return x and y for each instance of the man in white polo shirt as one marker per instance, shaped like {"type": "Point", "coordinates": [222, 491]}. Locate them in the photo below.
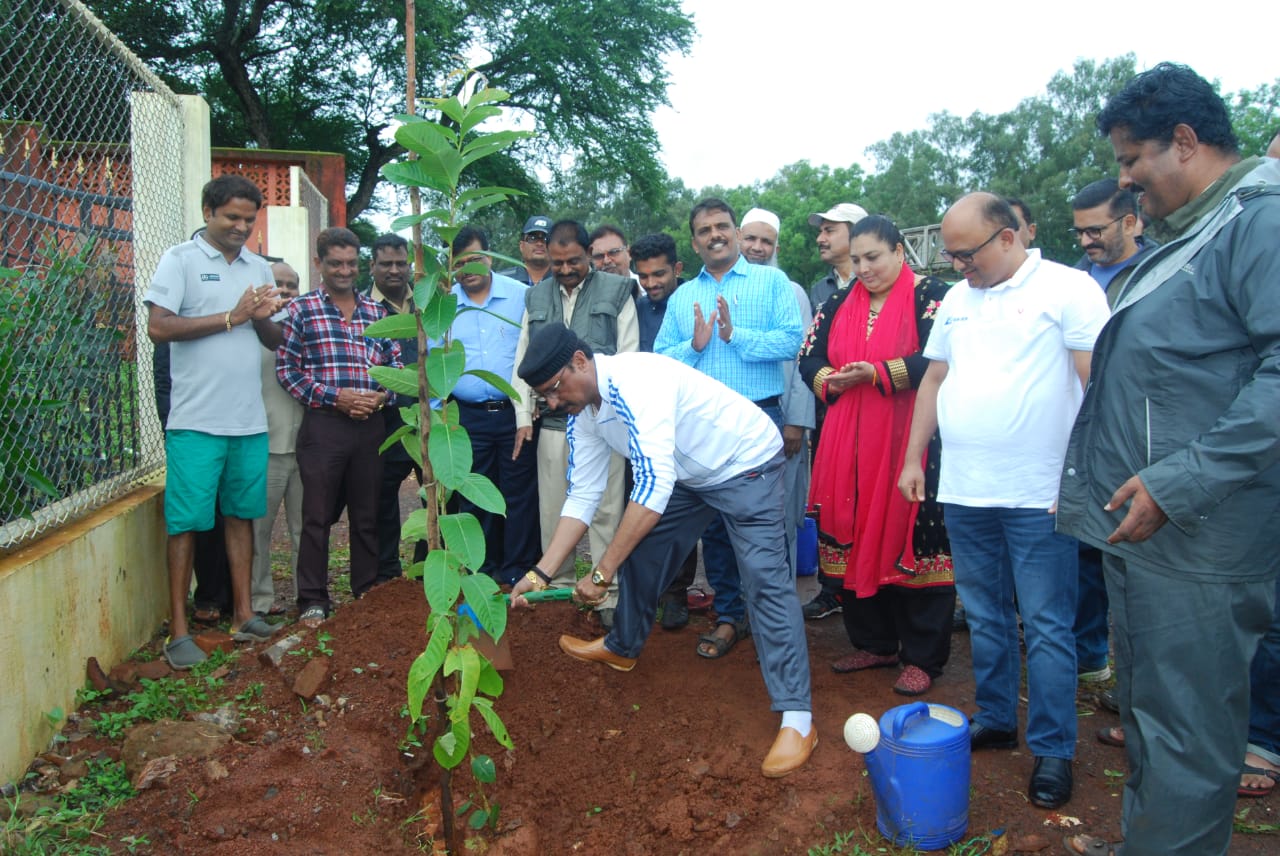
{"type": "Point", "coordinates": [698, 450]}
{"type": "Point", "coordinates": [1009, 362]}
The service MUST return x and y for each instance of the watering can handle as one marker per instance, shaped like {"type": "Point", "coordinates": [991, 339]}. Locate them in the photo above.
{"type": "Point", "coordinates": [905, 714]}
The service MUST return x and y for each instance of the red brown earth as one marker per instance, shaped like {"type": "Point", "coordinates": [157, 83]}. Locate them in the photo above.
{"type": "Point", "coordinates": [661, 760]}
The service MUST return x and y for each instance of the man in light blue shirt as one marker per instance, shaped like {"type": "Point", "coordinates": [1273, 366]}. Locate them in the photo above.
{"type": "Point", "coordinates": [512, 544]}
{"type": "Point", "coordinates": [735, 322]}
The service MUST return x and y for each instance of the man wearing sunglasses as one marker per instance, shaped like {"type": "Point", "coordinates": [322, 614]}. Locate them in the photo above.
{"type": "Point", "coordinates": [1009, 359]}
{"type": "Point", "coordinates": [533, 252]}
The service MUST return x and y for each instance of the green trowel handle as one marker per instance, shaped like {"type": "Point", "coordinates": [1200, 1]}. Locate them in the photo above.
{"type": "Point", "coordinates": [544, 595]}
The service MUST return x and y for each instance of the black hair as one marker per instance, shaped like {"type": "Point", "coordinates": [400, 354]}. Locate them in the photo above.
{"type": "Point", "coordinates": [335, 237]}
{"type": "Point", "coordinates": [569, 232]}
{"type": "Point", "coordinates": [389, 241]}
{"type": "Point", "coordinates": [881, 228]}
{"type": "Point", "coordinates": [1151, 105]}
{"type": "Point", "coordinates": [607, 229]}
{"type": "Point", "coordinates": [999, 212]}
{"type": "Point", "coordinates": [467, 236]}
{"type": "Point", "coordinates": [653, 246]}
{"type": "Point", "coordinates": [224, 188]}
{"type": "Point", "coordinates": [1106, 190]}
{"type": "Point", "coordinates": [1015, 202]}
{"type": "Point", "coordinates": [711, 203]}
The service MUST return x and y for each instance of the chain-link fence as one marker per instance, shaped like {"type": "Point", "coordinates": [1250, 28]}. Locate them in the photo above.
{"type": "Point", "coordinates": [90, 196]}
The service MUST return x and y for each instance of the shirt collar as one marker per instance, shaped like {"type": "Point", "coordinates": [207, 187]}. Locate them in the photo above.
{"type": "Point", "coordinates": [211, 251]}
{"type": "Point", "coordinates": [396, 309]}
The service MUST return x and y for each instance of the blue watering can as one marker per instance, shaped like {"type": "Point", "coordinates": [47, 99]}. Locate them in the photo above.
{"type": "Point", "coordinates": [917, 758]}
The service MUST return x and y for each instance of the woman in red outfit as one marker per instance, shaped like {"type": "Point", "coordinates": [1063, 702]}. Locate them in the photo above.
{"type": "Point", "coordinates": [862, 357]}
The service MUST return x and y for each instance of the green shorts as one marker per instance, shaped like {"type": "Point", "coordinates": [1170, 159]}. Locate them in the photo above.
{"type": "Point", "coordinates": [208, 471]}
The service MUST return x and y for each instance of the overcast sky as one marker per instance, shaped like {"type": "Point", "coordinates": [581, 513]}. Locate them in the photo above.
{"type": "Point", "coordinates": [768, 85]}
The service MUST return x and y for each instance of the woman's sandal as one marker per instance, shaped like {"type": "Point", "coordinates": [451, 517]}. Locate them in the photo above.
{"type": "Point", "coordinates": [719, 645]}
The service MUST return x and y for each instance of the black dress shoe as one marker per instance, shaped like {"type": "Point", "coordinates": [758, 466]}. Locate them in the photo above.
{"type": "Point", "coordinates": [1050, 782]}
{"type": "Point", "coordinates": [981, 737]}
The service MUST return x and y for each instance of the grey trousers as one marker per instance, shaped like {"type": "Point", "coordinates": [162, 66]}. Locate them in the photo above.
{"type": "Point", "coordinates": [283, 483]}
{"type": "Point", "coordinates": [1183, 648]}
{"type": "Point", "coordinates": [751, 505]}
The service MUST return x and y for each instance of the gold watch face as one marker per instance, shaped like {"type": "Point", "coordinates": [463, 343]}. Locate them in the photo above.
{"type": "Point", "coordinates": [598, 578]}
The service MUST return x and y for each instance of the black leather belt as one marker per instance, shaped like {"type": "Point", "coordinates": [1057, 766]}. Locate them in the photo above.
{"type": "Point", "coordinates": [491, 406]}
{"type": "Point", "coordinates": [771, 401]}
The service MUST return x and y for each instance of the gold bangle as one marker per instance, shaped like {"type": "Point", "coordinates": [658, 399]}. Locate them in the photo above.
{"type": "Point", "coordinates": [820, 382]}
{"type": "Point", "coordinates": [228, 320]}
{"type": "Point", "coordinates": [538, 585]}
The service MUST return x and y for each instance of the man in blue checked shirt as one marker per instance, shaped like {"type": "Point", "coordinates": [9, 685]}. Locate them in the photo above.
{"type": "Point", "coordinates": [735, 321]}
{"type": "Point", "coordinates": [324, 363]}
{"type": "Point", "coordinates": [512, 543]}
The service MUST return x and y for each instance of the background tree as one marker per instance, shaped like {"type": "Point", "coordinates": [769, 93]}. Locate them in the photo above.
{"type": "Point", "coordinates": [328, 75]}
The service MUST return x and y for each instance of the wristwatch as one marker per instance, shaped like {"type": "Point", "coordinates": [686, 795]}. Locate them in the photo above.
{"type": "Point", "coordinates": [598, 578]}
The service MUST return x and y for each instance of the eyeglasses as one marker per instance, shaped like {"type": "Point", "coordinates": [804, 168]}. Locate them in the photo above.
{"type": "Point", "coordinates": [966, 256]}
{"type": "Point", "coordinates": [1093, 233]}
{"type": "Point", "coordinates": [612, 255]}
{"type": "Point", "coordinates": [535, 238]}
{"type": "Point", "coordinates": [542, 396]}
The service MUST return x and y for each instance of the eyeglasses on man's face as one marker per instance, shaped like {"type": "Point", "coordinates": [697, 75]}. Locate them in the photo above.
{"type": "Point", "coordinates": [535, 238]}
{"type": "Point", "coordinates": [966, 256]}
{"type": "Point", "coordinates": [1093, 233]}
{"type": "Point", "coordinates": [612, 255]}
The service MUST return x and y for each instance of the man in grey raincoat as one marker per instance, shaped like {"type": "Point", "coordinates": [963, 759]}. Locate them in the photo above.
{"type": "Point", "coordinates": [1173, 469]}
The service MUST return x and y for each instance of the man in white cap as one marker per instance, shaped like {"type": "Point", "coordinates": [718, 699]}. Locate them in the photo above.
{"type": "Point", "coordinates": [758, 237]}
{"type": "Point", "coordinates": [835, 231]}
{"type": "Point", "coordinates": [835, 228]}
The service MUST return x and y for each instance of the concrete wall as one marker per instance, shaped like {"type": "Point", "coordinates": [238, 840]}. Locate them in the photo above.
{"type": "Point", "coordinates": [95, 588]}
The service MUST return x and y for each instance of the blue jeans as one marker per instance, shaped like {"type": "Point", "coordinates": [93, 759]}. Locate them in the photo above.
{"type": "Point", "coordinates": [1264, 691]}
{"type": "Point", "coordinates": [718, 559]}
{"type": "Point", "coordinates": [1091, 612]}
{"type": "Point", "coordinates": [1000, 553]}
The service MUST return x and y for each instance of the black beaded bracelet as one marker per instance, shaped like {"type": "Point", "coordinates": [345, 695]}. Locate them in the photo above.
{"type": "Point", "coordinates": [538, 572]}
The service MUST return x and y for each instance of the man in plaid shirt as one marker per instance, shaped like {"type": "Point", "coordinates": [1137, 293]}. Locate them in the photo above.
{"type": "Point", "coordinates": [324, 363]}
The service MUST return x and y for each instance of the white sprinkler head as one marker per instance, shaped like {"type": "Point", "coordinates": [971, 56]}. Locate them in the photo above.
{"type": "Point", "coordinates": [861, 732]}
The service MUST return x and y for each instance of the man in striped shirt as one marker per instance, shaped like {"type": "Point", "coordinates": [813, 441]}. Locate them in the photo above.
{"type": "Point", "coordinates": [324, 363]}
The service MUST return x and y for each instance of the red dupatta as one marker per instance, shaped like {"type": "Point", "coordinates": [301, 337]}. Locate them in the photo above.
{"type": "Point", "coordinates": [864, 441]}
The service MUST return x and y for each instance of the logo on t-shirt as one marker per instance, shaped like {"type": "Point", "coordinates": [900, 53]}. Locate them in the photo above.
{"type": "Point", "coordinates": [210, 277]}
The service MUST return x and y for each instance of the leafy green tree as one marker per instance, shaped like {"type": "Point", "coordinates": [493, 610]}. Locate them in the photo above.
{"type": "Point", "coordinates": [1255, 115]}
{"type": "Point", "coordinates": [329, 75]}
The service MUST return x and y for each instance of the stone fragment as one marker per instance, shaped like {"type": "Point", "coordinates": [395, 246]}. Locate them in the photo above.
{"type": "Point", "coordinates": [273, 655]}
{"type": "Point", "coordinates": [311, 678]}
{"type": "Point", "coordinates": [166, 738]}
{"type": "Point", "coordinates": [215, 771]}
{"type": "Point", "coordinates": [154, 670]}
{"type": "Point", "coordinates": [215, 640]}
{"type": "Point", "coordinates": [155, 772]}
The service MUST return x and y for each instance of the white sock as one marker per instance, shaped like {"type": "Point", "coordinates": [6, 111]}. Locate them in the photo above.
{"type": "Point", "coordinates": [800, 720]}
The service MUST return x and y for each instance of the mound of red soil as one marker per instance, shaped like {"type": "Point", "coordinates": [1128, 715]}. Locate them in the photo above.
{"type": "Point", "coordinates": [664, 759]}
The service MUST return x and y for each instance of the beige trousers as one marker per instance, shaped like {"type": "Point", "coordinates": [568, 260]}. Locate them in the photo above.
{"type": "Point", "coordinates": [553, 484]}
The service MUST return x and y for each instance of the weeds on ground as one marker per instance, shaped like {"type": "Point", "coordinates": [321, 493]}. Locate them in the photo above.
{"type": "Point", "coordinates": [164, 698]}
{"type": "Point", "coordinates": [1244, 825]}
{"type": "Point", "coordinates": [859, 842]}
{"type": "Point", "coordinates": [71, 824]}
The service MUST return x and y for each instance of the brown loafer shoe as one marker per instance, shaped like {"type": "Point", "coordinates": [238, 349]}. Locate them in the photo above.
{"type": "Point", "coordinates": [789, 752]}
{"type": "Point", "coordinates": [595, 652]}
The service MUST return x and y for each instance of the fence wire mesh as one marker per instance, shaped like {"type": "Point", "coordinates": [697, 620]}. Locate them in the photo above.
{"type": "Point", "coordinates": [90, 196]}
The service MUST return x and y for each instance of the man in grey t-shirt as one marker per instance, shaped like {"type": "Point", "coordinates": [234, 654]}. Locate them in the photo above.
{"type": "Point", "coordinates": [211, 299]}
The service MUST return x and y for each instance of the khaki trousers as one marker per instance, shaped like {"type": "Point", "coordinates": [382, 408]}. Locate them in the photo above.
{"type": "Point", "coordinates": [553, 484]}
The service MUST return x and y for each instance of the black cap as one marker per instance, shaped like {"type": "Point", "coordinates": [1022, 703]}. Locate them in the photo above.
{"type": "Point", "coordinates": [537, 223]}
{"type": "Point", "coordinates": [550, 350]}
